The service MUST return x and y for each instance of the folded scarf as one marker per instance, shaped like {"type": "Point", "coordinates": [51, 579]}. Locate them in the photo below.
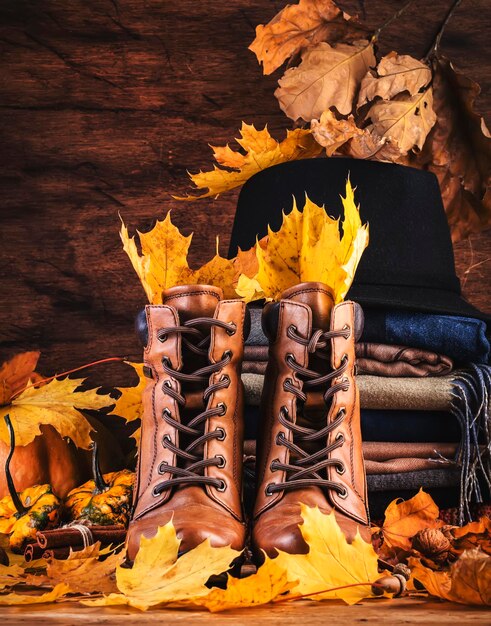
{"type": "Point", "coordinates": [460, 338]}
{"type": "Point", "coordinates": [376, 392]}
{"type": "Point", "coordinates": [371, 358]}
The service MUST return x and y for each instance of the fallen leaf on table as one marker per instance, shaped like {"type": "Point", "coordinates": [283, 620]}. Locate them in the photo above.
{"type": "Point", "coordinates": [163, 262]}
{"type": "Point", "coordinates": [394, 74]}
{"type": "Point", "coordinates": [404, 518]}
{"type": "Point", "coordinates": [404, 121]}
{"type": "Point", "coordinates": [24, 598]}
{"type": "Point", "coordinates": [472, 535]}
{"type": "Point", "coordinates": [11, 575]}
{"type": "Point", "coordinates": [331, 561]}
{"type": "Point", "coordinates": [468, 581]}
{"type": "Point", "coordinates": [332, 133]}
{"type": "Point", "coordinates": [261, 152]}
{"type": "Point", "coordinates": [83, 571]}
{"type": "Point", "coordinates": [298, 26]}
{"type": "Point", "coordinates": [269, 582]}
{"type": "Point", "coordinates": [159, 577]}
{"type": "Point", "coordinates": [328, 76]}
{"type": "Point", "coordinates": [458, 151]}
{"type": "Point", "coordinates": [309, 247]}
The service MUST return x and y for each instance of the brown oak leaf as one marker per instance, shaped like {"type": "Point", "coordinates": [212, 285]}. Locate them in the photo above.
{"type": "Point", "coordinates": [332, 133]}
{"type": "Point", "coordinates": [328, 76]}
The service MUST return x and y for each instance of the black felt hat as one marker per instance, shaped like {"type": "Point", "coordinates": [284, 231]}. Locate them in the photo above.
{"type": "Point", "coordinates": [409, 263]}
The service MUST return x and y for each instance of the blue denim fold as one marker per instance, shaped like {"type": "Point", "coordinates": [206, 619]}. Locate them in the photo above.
{"type": "Point", "coordinates": [463, 339]}
{"type": "Point", "coordinates": [460, 338]}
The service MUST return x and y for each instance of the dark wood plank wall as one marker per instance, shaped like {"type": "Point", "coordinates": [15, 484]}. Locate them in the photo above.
{"type": "Point", "coordinates": [104, 105]}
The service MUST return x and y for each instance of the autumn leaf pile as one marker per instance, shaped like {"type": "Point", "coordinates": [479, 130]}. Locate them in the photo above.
{"type": "Point", "coordinates": [307, 247]}
{"type": "Point", "coordinates": [411, 534]}
{"type": "Point", "coordinates": [351, 101]}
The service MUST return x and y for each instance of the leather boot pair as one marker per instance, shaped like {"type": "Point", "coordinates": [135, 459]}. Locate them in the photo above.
{"type": "Point", "coordinates": [309, 446]}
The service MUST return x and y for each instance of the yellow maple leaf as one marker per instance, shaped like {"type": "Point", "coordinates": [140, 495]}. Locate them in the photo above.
{"type": "Point", "coordinates": [261, 152]}
{"type": "Point", "coordinates": [159, 577]}
{"type": "Point", "coordinates": [11, 575]}
{"type": "Point", "coordinates": [328, 76]}
{"type": "Point", "coordinates": [16, 373]}
{"type": "Point", "coordinates": [331, 561]}
{"type": "Point", "coordinates": [24, 598]}
{"type": "Point", "coordinates": [163, 262]}
{"type": "Point", "coordinates": [129, 404]}
{"type": "Point", "coordinates": [468, 581]}
{"type": "Point", "coordinates": [404, 518]}
{"type": "Point", "coordinates": [269, 582]}
{"type": "Point", "coordinates": [309, 247]}
{"type": "Point", "coordinates": [52, 404]}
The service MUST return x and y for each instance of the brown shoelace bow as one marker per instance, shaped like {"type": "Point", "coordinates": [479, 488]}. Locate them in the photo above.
{"type": "Point", "coordinates": [195, 428]}
{"type": "Point", "coordinates": [304, 471]}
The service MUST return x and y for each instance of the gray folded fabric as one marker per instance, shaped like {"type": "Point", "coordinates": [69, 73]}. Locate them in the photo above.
{"type": "Point", "coordinates": [428, 479]}
{"type": "Point", "coordinates": [421, 394]}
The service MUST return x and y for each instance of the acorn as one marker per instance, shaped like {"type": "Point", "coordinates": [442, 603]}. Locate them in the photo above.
{"type": "Point", "coordinates": [395, 584]}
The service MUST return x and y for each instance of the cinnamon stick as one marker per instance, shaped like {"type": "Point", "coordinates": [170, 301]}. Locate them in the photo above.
{"type": "Point", "coordinates": [72, 537]}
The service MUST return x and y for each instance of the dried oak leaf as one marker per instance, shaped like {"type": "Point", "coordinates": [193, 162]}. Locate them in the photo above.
{"type": "Point", "coordinates": [458, 151]}
{"type": "Point", "coordinates": [309, 247]}
{"type": "Point", "coordinates": [468, 581]}
{"type": "Point", "coordinates": [328, 76]}
{"type": "Point", "coordinates": [331, 133]}
{"type": "Point", "coordinates": [331, 561]}
{"type": "Point", "coordinates": [159, 577]}
{"type": "Point", "coordinates": [394, 74]}
{"type": "Point", "coordinates": [404, 121]}
{"type": "Point", "coordinates": [260, 152]}
{"type": "Point", "coordinates": [404, 518]}
{"type": "Point", "coordinates": [163, 262]}
{"type": "Point", "coordinates": [473, 535]}
{"type": "Point", "coordinates": [53, 403]}
{"type": "Point", "coordinates": [298, 26]}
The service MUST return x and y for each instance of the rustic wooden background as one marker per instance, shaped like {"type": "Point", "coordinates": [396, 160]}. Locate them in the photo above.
{"type": "Point", "coordinates": [104, 106]}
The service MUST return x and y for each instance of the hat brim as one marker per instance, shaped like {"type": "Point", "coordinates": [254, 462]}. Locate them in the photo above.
{"type": "Point", "coordinates": [421, 299]}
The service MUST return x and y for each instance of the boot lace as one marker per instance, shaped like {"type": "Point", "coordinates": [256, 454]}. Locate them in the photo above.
{"type": "Point", "coordinates": [305, 470]}
{"type": "Point", "coordinates": [195, 464]}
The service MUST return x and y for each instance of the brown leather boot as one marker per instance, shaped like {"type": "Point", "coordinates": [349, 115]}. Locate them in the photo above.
{"type": "Point", "coordinates": [190, 459]}
{"type": "Point", "coordinates": [309, 447]}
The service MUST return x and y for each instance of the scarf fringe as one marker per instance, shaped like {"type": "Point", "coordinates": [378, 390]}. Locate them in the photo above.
{"type": "Point", "coordinates": [471, 406]}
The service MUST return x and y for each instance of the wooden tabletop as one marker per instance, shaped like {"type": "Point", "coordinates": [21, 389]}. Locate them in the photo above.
{"type": "Point", "coordinates": [400, 611]}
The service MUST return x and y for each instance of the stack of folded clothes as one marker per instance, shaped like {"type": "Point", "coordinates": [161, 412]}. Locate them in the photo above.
{"type": "Point", "coordinates": [424, 409]}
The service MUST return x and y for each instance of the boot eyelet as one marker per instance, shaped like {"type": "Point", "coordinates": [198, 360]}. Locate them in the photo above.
{"type": "Point", "coordinates": [220, 434]}
{"type": "Point", "coordinates": [341, 469]}
{"type": "Point", "coordinates": [272, 466]}
{"type": "Point", "coordinates": [290, 359]}
{"type": "Point", "coordinates": [166, 413]}
{"type": "Point", "coordinates": [228, 354]}
{"type": "Point", "coordinates": [280, 438]}
{"type": "Point", "coordinates": [343, 494]}
{"type": "Point", "coordinates": [167, 384]}
{"type": "Point", "coordinates": [162, 467]}
{"type": "Point", "coordinates": [344, 359]}
{"type": "Point", "coordinates": [161, 336]}
{"type": "Point", "coordinates": [221, 461]}
{"type": "Point", "coordinates": [232, 330]}
{"type": "Point", "coordinates": [165, 439]}
{"type": "Point", "coordinates": [166, 361]}
{"type": "Point", "coordinates": [292, 329]}
{"type": "Point", "coordinates": [341, 411]}
{"type": "Point", "coordinates": [268, 491]}
{"type": "Point", "coordinates": [339, 437]}
{"type": "Point", "coordinates": [223, 408]}
{"type": "Point", "coordinates": [222, 486]}
{"type": "Point", "coordinates": [155, 493]}
{"type": "Point", "coordinates": [347, 328]}
{"type": "Point", "coordinates": [225, 379]}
